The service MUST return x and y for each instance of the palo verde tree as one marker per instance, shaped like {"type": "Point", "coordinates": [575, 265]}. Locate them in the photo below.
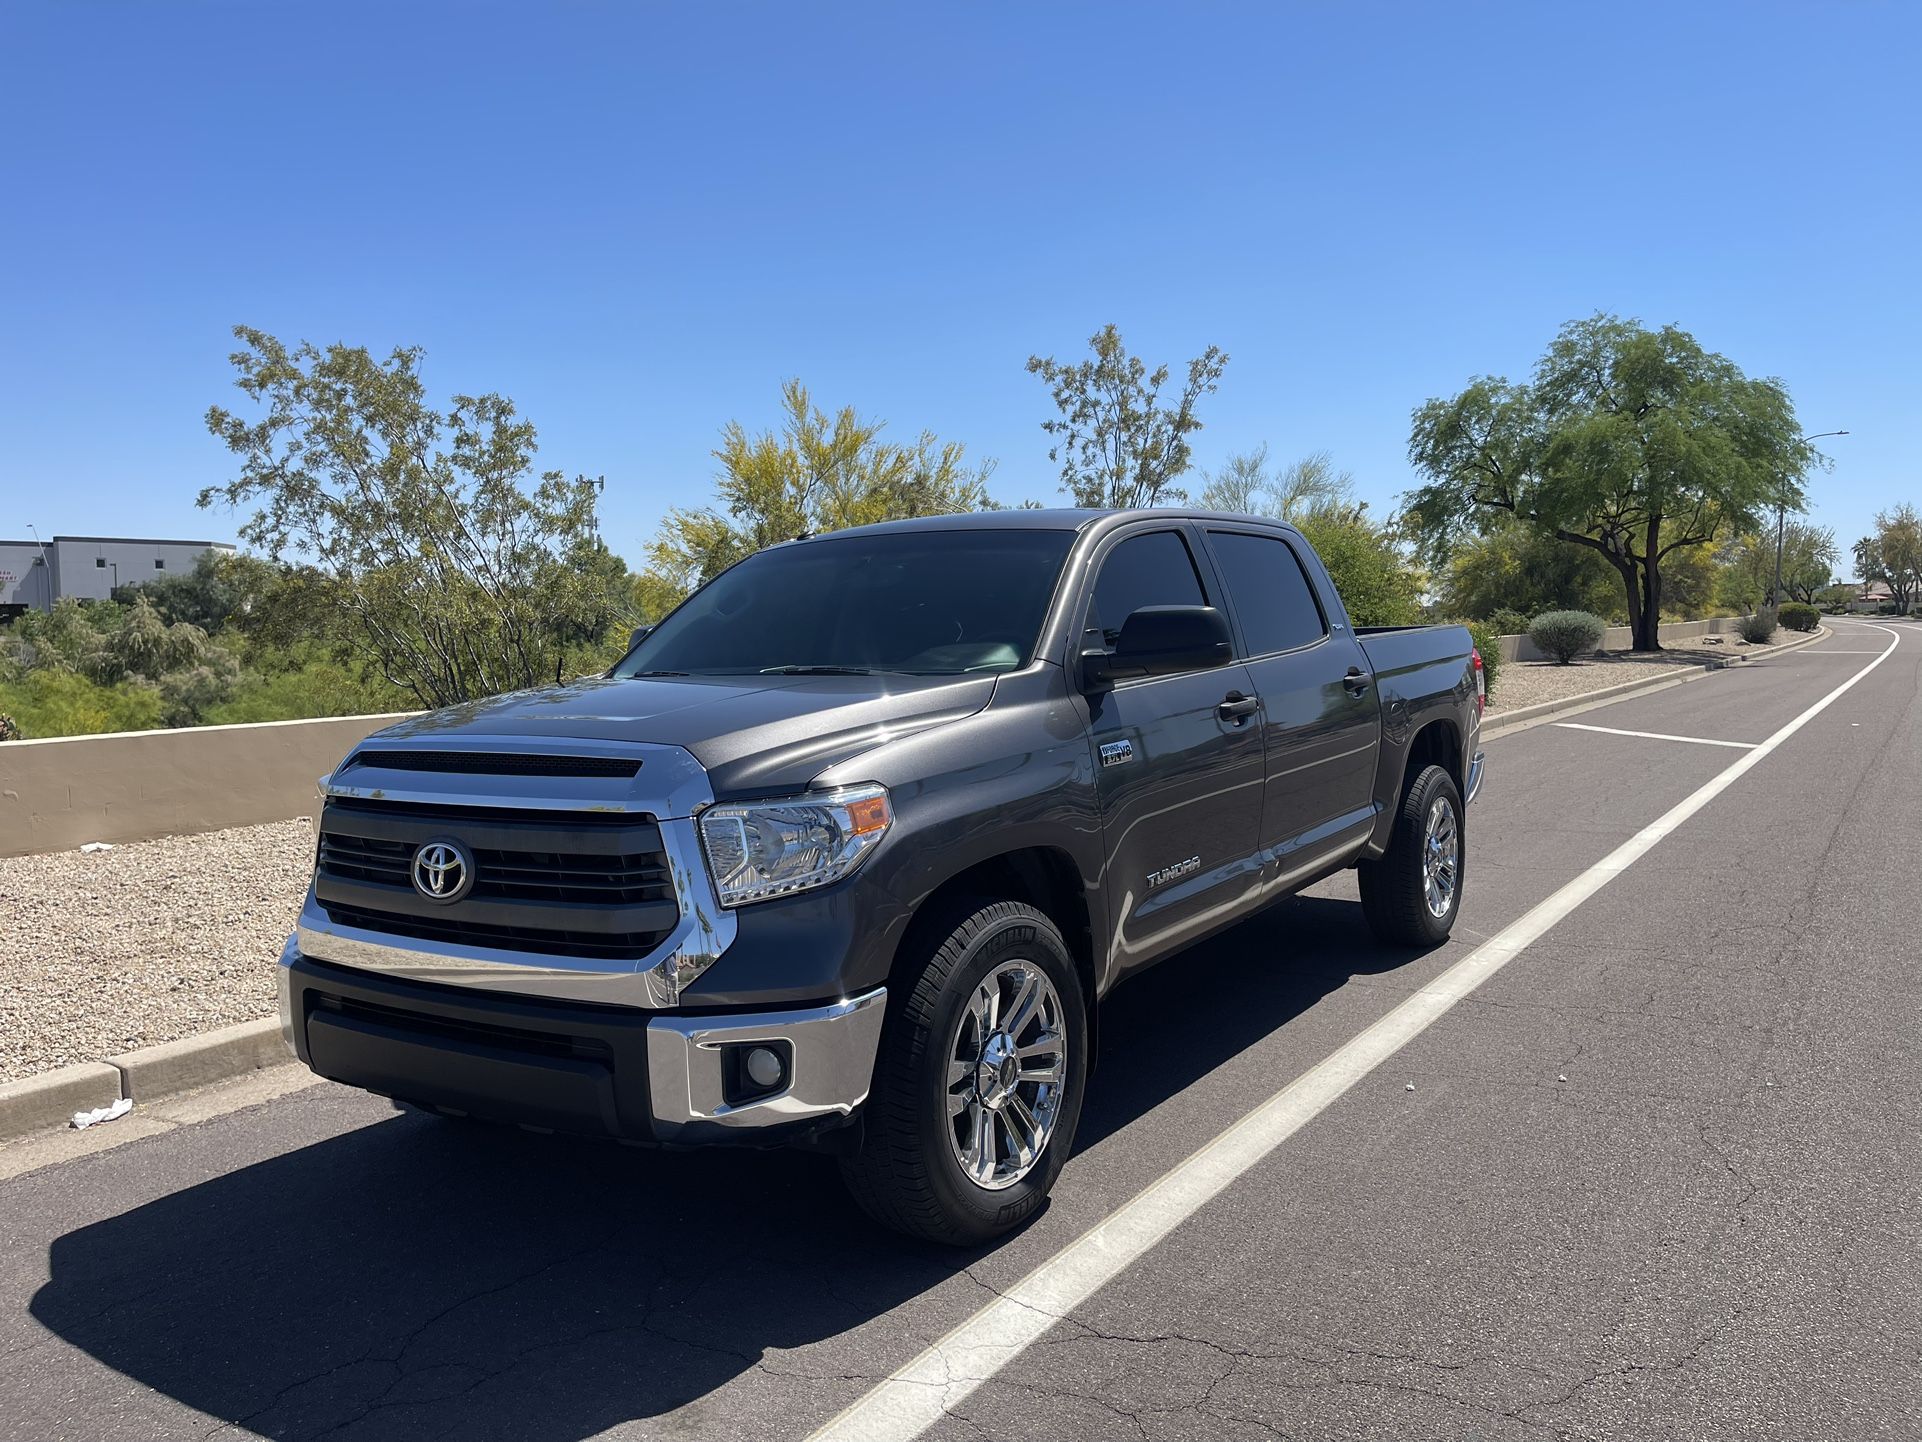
{"type": "Point", "coordinates": [455, 568]}
{"type": "Point", "coordinates": [817, 473]}
{"type": "Point", "coordinates": [1117, 443]}
{"type": "Point", "coordinates": [1633, 443]}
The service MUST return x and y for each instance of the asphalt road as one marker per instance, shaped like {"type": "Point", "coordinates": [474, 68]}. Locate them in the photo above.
{"type": "Point", "coordinates": [1659, 1176]}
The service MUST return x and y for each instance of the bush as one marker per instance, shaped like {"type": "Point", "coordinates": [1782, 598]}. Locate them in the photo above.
{"type": "Point", "coordinates": [1757, 629]}
{"type": "Point", "coordinates": [1488, 641]}
{"type": "Point", "coordinates": [1507, 621]}
{"type": "Point", "coordinates": [8, 730]}
{"type": "Point", "coordinates": [1566, 634]}
{"type": "Point", "coordinates": [1798, 617]}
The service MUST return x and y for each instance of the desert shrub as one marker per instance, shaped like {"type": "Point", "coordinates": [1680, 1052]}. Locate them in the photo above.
{"type": "Point", "coordinates": [65, 703]}
{"type": "Point", "coordinates": [1488, 641]}
{"type": "Point", "coordinates": [1798, 616]}
{"type": "Point", "coordinates": [1565, 635]}
{"type": "Point", "coordinates": [1507, 621]}
{"type": "Point", "coordinates": [1757, 629]}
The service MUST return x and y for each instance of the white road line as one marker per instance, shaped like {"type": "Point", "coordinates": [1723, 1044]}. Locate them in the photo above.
{"type": "Point", "coordinates": [914, 1398]}
{"type": "Point", "coordinates": [1655, 735]}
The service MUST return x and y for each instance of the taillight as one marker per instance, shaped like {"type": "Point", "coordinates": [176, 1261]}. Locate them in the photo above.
{"type": "Point", "coordinates": [1481, 680]}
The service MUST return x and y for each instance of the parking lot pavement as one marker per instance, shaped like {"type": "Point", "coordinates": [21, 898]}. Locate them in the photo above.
{"type": "Point", "coordinates": [1654, 1177]}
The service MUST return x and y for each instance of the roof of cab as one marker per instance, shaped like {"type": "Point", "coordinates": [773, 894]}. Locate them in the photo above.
{"type": "Point", "coordinates": [1062, 519]}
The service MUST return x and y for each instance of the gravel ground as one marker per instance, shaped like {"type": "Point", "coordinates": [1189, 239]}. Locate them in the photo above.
{"type": "Point", "coordinates": [148, 942]}
{"type": "Point", "coordinates": [1527, 683]}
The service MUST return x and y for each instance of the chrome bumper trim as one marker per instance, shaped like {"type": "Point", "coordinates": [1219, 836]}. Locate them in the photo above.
{"type": "Point", "coordinates": [671, 785]}
{"type": "Point", "coordinates": [833, 1046]}
{"type": "Point", "coordinates": [1474, 778]}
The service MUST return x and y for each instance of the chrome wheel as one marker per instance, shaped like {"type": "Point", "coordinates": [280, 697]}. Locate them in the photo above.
{"type": "Point", "coordinates": [1006, 1066]}
{"type": "Point", "coordinates": [1441, 857]}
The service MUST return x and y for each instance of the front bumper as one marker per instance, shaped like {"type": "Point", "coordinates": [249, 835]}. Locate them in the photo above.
{"type": "Point", "coordinates": [563, 1065]}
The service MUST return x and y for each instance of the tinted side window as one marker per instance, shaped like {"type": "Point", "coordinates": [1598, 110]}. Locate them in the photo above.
{"type": "Point", "coordinates": [1270, 592]}
{"type": "Point", "coordinates": [1153, 569]}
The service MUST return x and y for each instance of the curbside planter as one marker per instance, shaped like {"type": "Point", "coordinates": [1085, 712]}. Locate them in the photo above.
{"type": "Point", "coordinates": [178, 1066]}
{"type": "Point", "coordinates": [1504, 721]}
{"type": "Point", "coordinates": [50, 1099]}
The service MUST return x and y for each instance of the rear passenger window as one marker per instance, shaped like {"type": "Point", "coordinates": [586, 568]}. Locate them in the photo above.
{"type": "Point", "coordinates": [1153, 569]}
{"type": "Point", "coordinates": [1269, 590]}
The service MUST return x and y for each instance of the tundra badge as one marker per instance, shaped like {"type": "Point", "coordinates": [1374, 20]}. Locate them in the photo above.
{"type": "Point", "coordinates": [1114, 753]}
{"type": "Point", "coordinates": [1170, 873]}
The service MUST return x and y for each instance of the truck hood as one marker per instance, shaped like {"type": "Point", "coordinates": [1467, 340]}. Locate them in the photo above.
{"type": "Point", "coordinates": [752, 733]}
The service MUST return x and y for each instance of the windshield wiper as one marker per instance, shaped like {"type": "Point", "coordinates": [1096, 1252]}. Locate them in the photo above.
{"type": "Point", "coordinates": [632, 674]}
{"type": "Point", "coordinates": [823, 671]}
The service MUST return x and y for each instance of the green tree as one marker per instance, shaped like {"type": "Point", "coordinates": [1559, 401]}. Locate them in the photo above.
{"type": "Point", "coordinates": [220, 587]}
{"type": "Point", "coordinates": [1893, 555]}
{"type": "Point", "coordinates": [458, 571]}
{"type": "Point", "coordinates": [1809, 558]}
{"type": "Point", "coordinates": [1372, 574]}
{"type": "Point", "coordinates": [817, 473]}
{"type": "Point", "coordinates": [1518, 568]}
{"type": "Point", "coordinates": [1116, 442]}
{"type": "Point", "coordinates": [1630, 442]}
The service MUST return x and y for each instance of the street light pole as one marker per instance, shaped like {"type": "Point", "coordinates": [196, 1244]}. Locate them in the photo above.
{"type": "Point", "coordinates": [1781, 521]}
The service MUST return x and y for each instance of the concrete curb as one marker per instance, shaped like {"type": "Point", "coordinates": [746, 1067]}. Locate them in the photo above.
{"type": "Point", "coordinates": [1516, 720]}
{"type": "Point", "coordinates": [50, 1099]}
{"type": "Point", "coordinates": [178, 1066]}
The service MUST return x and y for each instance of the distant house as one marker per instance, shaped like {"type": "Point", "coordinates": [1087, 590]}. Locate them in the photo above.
{"type": "Point", "coordinates": [35, 574]}
{"type": "Point", "coordinates": [1872, 597]}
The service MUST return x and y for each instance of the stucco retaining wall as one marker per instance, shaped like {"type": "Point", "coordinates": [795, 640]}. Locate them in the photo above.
{"type": "Point", "coordinates": [134, 785]}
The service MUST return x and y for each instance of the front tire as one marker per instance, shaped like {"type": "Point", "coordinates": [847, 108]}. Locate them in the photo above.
{"type": "Point", "coordinates": [1412, 895]}
{"type": "Point", "coordinates": [979, 1081]}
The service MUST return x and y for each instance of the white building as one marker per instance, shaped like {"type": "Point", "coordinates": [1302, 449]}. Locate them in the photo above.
{"type": "Point", "coordinates": [36, 574]}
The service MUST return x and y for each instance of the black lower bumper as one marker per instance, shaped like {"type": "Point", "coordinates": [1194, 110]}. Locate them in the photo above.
{"type": "Point", "coordinates": [591, 1070]}
{"type": "Point", "coordinates": [558, 1066]}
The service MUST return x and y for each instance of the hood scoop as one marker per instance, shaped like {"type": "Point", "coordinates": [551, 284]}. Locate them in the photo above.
{"type": "Point", "coordinates": [493, 763]}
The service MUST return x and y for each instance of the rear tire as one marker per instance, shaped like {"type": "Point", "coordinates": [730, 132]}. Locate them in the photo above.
{"type": "Point", "coordinates": [979, 1080]}
{"type": "Point", "coordinates": [1412, 895]}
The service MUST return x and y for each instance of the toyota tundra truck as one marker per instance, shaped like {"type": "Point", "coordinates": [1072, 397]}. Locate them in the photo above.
{"type": "Point", "coordinates": [848, 849]}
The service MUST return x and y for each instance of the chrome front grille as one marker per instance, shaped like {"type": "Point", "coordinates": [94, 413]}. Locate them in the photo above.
{"type": "Point", "coordinates": [580, 884]}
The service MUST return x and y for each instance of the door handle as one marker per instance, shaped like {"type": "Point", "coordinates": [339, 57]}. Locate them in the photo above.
{"type": "Point", "coordinates": [1235, 706]}
{"type": "Point", "coordinates": [1356, 681]}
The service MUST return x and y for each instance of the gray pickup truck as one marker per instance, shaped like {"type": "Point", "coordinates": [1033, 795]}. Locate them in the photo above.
{"type": "Point", "coordinates": [848, 849]}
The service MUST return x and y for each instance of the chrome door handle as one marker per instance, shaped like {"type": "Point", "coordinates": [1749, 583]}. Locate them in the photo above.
{"type": "Point", "coordinates": [1235, 706]}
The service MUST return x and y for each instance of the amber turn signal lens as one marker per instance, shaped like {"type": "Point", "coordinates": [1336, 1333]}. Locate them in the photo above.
{"type": "Point", "coordinates": [869, 814]}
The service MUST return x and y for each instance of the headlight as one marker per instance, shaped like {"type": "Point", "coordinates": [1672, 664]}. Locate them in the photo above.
{"type": "Point", "coordinates": [761, 849]}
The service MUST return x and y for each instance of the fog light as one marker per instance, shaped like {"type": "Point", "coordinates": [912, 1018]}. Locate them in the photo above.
{"type": "Point", "coordinates": [765, 1068]}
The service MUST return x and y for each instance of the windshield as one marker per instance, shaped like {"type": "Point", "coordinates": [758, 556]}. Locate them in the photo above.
{"type": "Point", "coordinates": [925, 602]}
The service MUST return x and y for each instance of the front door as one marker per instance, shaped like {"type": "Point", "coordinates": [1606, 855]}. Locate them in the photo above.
{"type": "Point", "coordinates": [1178, 765]}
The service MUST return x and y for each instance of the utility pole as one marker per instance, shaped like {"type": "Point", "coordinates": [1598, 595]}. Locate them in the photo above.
{"type": "Point", "coordinates": [1781, 522]}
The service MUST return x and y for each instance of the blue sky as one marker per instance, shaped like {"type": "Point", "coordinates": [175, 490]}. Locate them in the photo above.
{"type": "Point", "coordinates": [636, 220]}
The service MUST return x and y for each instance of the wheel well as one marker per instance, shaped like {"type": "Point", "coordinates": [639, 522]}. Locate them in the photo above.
{"type": "Point", "coordinates": [1042, 876]}
{"type": "Point", "coordinates": [1436, 744]}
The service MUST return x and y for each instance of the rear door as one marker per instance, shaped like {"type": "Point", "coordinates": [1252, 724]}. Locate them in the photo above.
{"type": "Point", "coordinates": [1320, 718]}
{"type": "Point", "coordinates": [1178, 761]}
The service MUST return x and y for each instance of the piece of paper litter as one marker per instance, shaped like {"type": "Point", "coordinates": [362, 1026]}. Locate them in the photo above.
{"type": "Point", "coordinates": [82, 1120]}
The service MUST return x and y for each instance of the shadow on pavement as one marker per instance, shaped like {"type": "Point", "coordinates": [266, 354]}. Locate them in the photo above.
{"type": "Point", "coordinates": [416, 1277]}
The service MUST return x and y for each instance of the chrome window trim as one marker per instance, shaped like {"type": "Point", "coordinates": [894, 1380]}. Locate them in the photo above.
{"type": "Point", "coordinates": [671, 786]}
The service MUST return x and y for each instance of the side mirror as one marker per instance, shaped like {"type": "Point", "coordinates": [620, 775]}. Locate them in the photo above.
{"type": "Point", "coordinates": [1159, 641]}
{"type": "Point", "coordinates": [637, 635]}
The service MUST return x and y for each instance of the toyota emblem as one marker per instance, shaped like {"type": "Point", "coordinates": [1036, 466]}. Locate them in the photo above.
{"type": "Point", "coordinates": [442, 870]}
